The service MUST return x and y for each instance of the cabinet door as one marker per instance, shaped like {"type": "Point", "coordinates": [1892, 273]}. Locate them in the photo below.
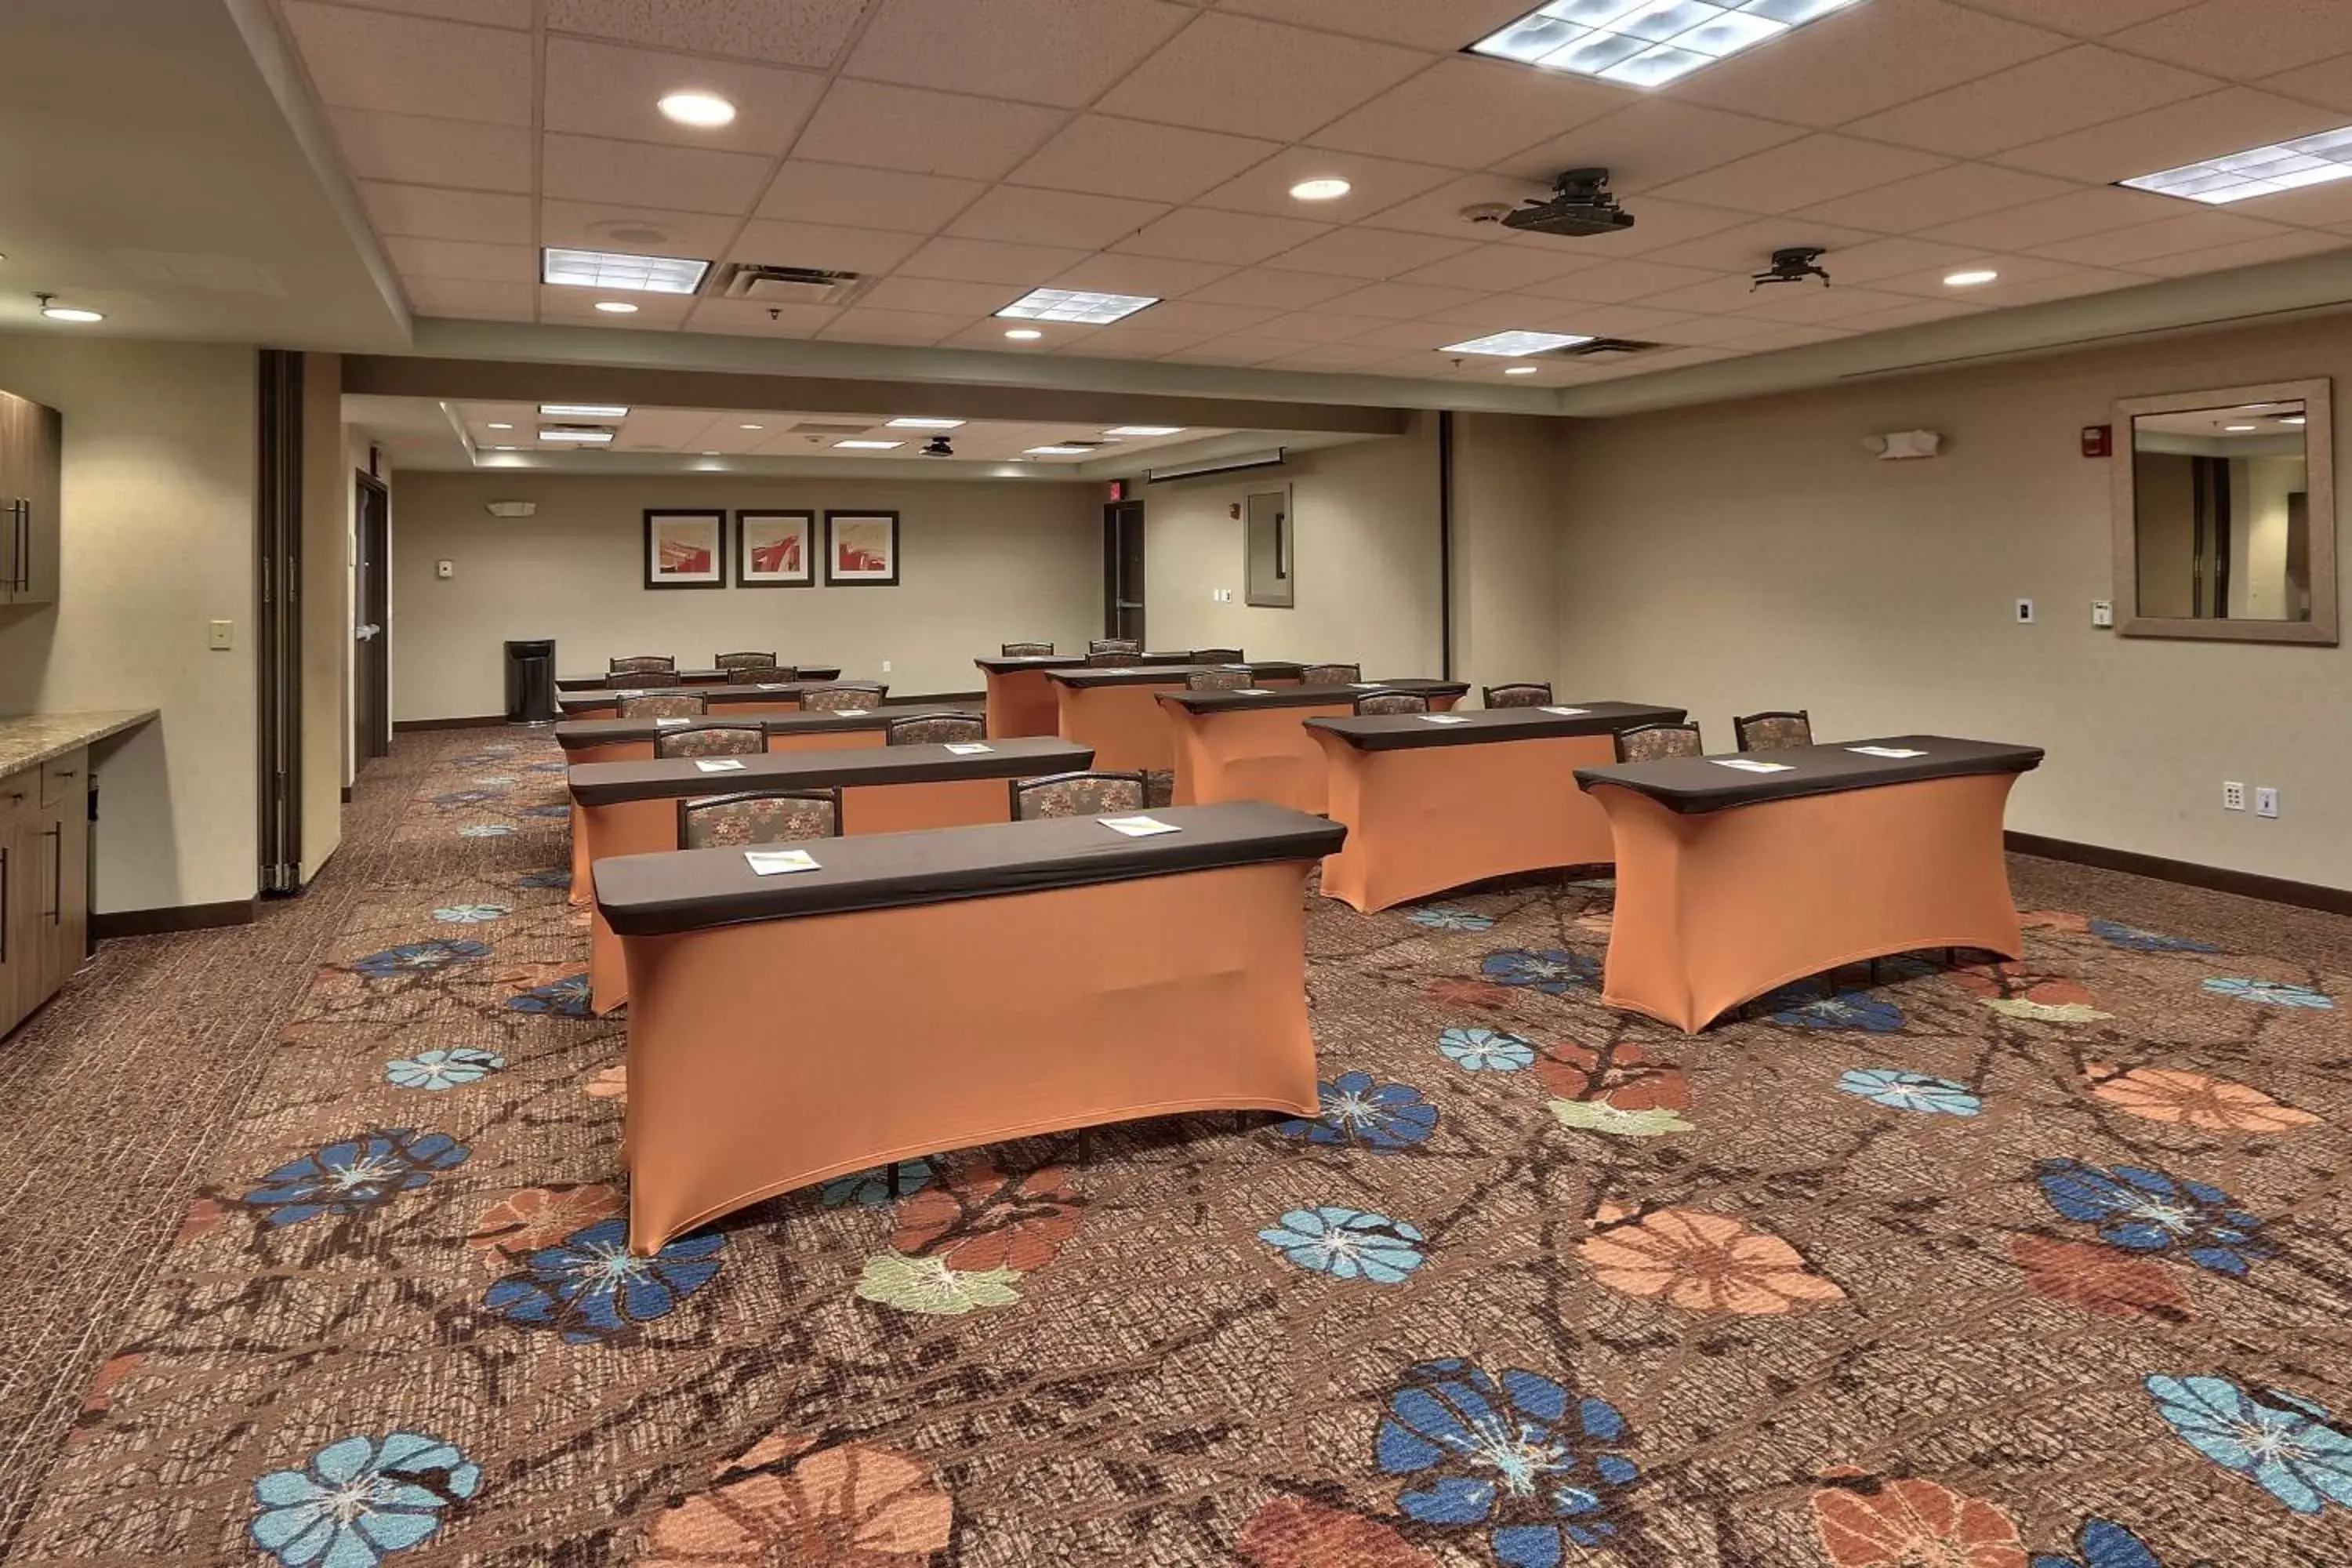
{"type": "Point", "coordinates": [18, 962]}
{"type": "Point", "coordinates": [37, 485]}
{"type": "Point", "coordinates": [15, 463]}
{"type": "Point", "coordinates": [62, 917]}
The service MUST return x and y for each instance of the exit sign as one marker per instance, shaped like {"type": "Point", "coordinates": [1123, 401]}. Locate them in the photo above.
{"type": "Point", "coordinates": [1119, 489]}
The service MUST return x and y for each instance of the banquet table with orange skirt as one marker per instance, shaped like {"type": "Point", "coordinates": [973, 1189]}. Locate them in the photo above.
{"type": "Point", "coordinates": [1114, 710]}
{"type": "Point", "coordinates": [1071, 976]}
{"type": "Point", "coordinates": [631, 808]}
{"type": "Point", "coordinates": [1436, 801]}
{"type": "Point", "coordinates": [620, 678]}
{"type": "Point", "coordinates": [1021, 700]}
{"type": "Point", "coordinates": [747, 697]}
{"type": "Point", "coordinates": [1738, 875]}
{"type": "Point", "coordinates": [1246, 744]}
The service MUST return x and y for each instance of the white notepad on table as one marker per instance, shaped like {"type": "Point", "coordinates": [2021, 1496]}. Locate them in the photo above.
{"type": "Point", "coordinates": [671, 723]}
{"type": "Point", "coordinates": [1252, 692]}
{"type": "Point", "coordinates": [720, 765]}
{"type": "Point", "coordinates": [1138, 827]}
{"type": "Point", "coordinates": [968, 748]}
{"type": "Point", "coordinates": [853, 712]}
{"type": "Point", "coordinates": [1747, 765]}
{"type": "Point", "coordinates": [1565, 712]}
{"type": "Point", "coordinates": [1897, 752]}
{"type": "Point", "coordinates": [777, 862]}
{"type": "Point", "coordinates": [1443, 719]}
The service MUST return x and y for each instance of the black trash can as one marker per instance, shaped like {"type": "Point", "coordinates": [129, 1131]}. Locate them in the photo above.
{"type": "Point", "coordinates": [531, 681]}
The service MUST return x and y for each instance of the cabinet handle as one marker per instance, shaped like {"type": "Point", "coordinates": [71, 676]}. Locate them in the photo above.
{"type": "Point", "coordinates": [57, 837]}
{"type": "Point", "coordinates": [4, 863]}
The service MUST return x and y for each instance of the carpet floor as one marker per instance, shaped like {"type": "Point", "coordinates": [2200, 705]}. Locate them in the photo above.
{"type": "Point", "coordinates": [311, 1234]}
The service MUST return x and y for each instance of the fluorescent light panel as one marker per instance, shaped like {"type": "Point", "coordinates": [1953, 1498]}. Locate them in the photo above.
{"type": "Point", "coordinates": [1646, 42]}
{"type": "Point", "coordinates": [2258, 172]}
{"type": "Point", "coordinates": [615, 270]}
{"type": "Point", "coordinates": [913, 423]}
{"type": "Point", "coordinates": [580, 411]}
{"type": "Point", "coordinates": [1518, 345]}
{"type": "Point", "coordinates": [578, 438]}
{"type": "Point", "coordinates": [1078, 305]}
{"type": "Point", "coordinates": [869, 446]}
{"type": "Point", "coordinates": [1060, 452]}
{"type": "Point", "coordinates": [1145, 431]}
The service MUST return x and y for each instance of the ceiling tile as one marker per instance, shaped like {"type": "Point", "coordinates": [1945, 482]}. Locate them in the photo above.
{"type": "Point", "coordinates": [1747, 249]}
{"type": "Point", "coordinates": [782, 31]}
{"type": "Point", "coordinates": [1106, 156]}
{"type": "Point", "coordinates": [1199, 317]}
{"type": "Point", "coordinates": [1442, 28]}
{"type": "Point", "coordinates": [1918, 313]}
{"type": "Point", "coordinates": [1331, 327]}
{"type": "Point", "coordinates": [603, 89]}
{"type": "Point", "coordinates": [1649, 144]}
{"type": "Point", "coordinates": [1865, 60]}
{"type": "Point", "coordinates": [655, 312]}
{"type": "Point", "coordinates": [487, 13]}
{"type": "Point", "coordinates": [1334, 356]}
{"type": "Point", "coordinates": [1241, 239]}
{"type": "Point", "coordinates": [1470, 113]}
{"type": "Point", "coordinates": [1802, 174]}
{"type": "Point", "coordinates": [863, 326]}
{"type": "Point", "coordinates": [2326, 81]}
{"type": "Point", "coordinates": [1439, 211]}
{"type": "Point", "coordinates": [1620, 282]}
{"type": "Point", "coordinates": [2245, 253]}
{"type": "Point", "coordinates": [427, 212]}
{"type": "Point", "coordinates": [1938, 197]}
{"type": "Point", "coordinates": [2023, 279]}
{"type": "Point", "coordinates": [1876, 259]}
{"type": "Point", "coordinates": [1377, 183]}
{"type": "Point", "coordinates": [1132, 342]}
{"type": "Point", "coordinates": [1248, 349]}
{"type": "Point", "coordinates": [2076, 88]}
{"type": "Point", "coordinates": [882, 127]}
{"type": "Point", "coordinates": [2073, 284]}
{"type": "Point", "coordinates": [1275, 290]}
{"type": "Point", "coordinates": [1016, 214]}
{"type": "Point", "coordinates": [1259, 79]}
{"type": "Point", "coordinates": [1497, 268]}
{"type": "Point", "coordinates": [1777, 335]}
{"type": "Point", "coordinates": [763, 320]}
{"type": "Point", "coordinates": [1511, 313]}
{"type": "Point", "coordinates": [1362, 252]}
{"type": "Point", "coordinates": [1611, 320]}
{"type": "Point", "coordinates": [413, 65]}
{"type": "Point", "coordinates": [2242, 39]}
{"type": "Point", "coordinates": [2314, 207]}
{"type": "Point", "coordinates": [827, 245]}
{"type": "Point", "coordinates": [939, 295]}
{"type": "Point", "coordinates": [1037, 51]}
{"type": "Point", "coordinates": [2230, 120]}
{"type": "Point", "coordinates": [2169, 237]}
{"type": "Point", "coordinates": [467, 297]}
{"type": "Point", "coordinates": [2084, 19]}
{"type": "Point", "coordinates": [985, 261]}
{"type": "Point", "coordinates": [2088, 211]}
{"type": "Point", "coordinates": [808, 192]}
{"type": "Point", "coordinates": [1161, 278]}
{"type": "Point", "coordinates": [645, 231]}
{"type": "Point", "coordinates": [413, 149]}
{"type": "Point", "coordinates": [1787, 302]}
{"type": "Point", "coordinates": [990, 335]}
{"type": "Point", "coordinates": [592, 169]}
{"type": "Point", "coordinates": [463, 259]}
{"type": "Point", "coordinates": [1403, 302]}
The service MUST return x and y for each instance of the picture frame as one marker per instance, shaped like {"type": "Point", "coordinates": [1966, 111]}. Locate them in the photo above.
{"type": "Point", "coordinates": [775, 549]}
{"type": "Point", "coordinates": [685, 548]}
{"type": "Point", "coordinates": [861, 549]}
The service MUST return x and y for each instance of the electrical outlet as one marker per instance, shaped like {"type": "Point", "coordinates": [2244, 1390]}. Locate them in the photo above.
{"type": "Point", "coordinates": [2103, 613]}
{"type": "Point", "coordinates": [222, 636]}
{"type": "Point", "coordinates": [2265, 801]}
{"type": "Point", "coordinates": [886, 666]}
{"type": "Point", "coordinates": [2233, 796]}
{"type": "Point", "coordinates": [2024, 612]}
{"type": "Point", "coordinates": [445, 570]}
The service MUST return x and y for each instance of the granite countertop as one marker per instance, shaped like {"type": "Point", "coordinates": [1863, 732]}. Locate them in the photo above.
{"type": "Point", "coordinates": [28, 740]}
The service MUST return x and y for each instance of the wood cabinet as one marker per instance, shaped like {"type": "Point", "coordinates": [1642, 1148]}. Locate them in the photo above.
{"type": "Point", "coordinates": [32, 451]}
{"type": "Point", "coordinates": [44, 881]}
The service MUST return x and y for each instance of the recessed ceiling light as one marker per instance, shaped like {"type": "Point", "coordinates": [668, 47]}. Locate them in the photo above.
{"type": "Point", "coordinates": [2241, 429]}
{"type": "Point", "coordinates": [1324, 190]}
{"type": "Point", "coordinates": [869, 446]}
{"type": "Point", "coordinates": [56, 312]}
{"type": "Point", "coordinates": [581, 411]}
{"type": "Point", "coordinates": [2257, 172]}
{"type": "Point", "coordinates": [616, 307]}
{"type": "Point", "coordinates": [704, 111]}
{"type": "Point", "coordinates": [1970, 278]}
{"type": "Point", "coordinates": [1024, 334]}
{"type": "Point", "coordinates": [1645, 43]}
{"type": "Point", "coordinates": [1521, 369]}
{"type": "Point", "coordinates": [1079, 305]}
{"type": "Point", "coordinates": [578, 438]}
{"type": "Point", "coordinates": [1518, 345]}
{"type": "Point", "coordinates": [710, 454]}
{"type": "Point", "coordinates": [1145, 431]}
{"type": "Point", "coordinates": [1059, 451]}
{"type": "Point", "coordinates": [617, 269]}
{"type": "Point", "coordinates": [917, 423]}
{"type": "Point", "coordinates": [750, 426]}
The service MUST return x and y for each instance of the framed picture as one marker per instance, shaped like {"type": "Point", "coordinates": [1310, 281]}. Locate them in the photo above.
{"type": "Point", "coordinates": [686, 550]}
{"type": "Point", "coordinates": [775, 549]}
{"type": "Point", "coordinates": [861, 547]}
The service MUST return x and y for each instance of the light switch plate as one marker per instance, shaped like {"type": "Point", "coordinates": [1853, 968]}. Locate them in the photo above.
{"type": "Point", "coordinates": [2024, 612]}
{"type": "Point", "coordinates": [2103, 613]}
{"type": "Point", "coordinates": [222, 636]}
{"type": "Point", "coordinates": [2265, 801]}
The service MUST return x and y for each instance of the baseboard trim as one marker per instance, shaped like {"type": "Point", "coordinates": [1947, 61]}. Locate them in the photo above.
{"type": "Point", "coordinates": [2220, 880]}
{"type": "Point", "coordinates": [486, 722]}
{"type": "Point", "coordinates": [176, 918]}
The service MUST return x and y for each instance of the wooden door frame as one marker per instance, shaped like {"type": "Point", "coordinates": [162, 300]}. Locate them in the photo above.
{"type": "Point", "coordinates": [370, 605]}
{"type": "Point", "coordinates": [1117, 622]}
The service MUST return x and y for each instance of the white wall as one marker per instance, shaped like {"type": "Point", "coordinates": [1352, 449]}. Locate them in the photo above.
{"type": "Point", "coordinates": [981, 564]}
{"type": "Point", "coordinates": [1752, 555]}
{"type": "Point", "coordinates": [1506, 550]}
{"type": "Point", "coordinates": [326, 610]}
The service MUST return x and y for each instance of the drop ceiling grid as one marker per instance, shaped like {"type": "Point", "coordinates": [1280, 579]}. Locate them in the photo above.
{"type": "Point", "coordinates": [1007, 232]}
{"type": "Point", "coordinates": [692, 432]}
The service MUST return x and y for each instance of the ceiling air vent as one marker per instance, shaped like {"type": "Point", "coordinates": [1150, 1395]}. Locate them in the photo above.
{"type": "Point", "coordinates": [1609, 349]}
{"type": "Point", "coordinates": [813, 428]}
{"type": "Point", "coordinates": [765, 285]}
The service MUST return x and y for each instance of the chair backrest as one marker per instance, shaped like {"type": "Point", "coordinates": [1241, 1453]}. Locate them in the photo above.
{"type": "Point", "coordinates": [1217, 680]}
{"type": "Point", "coordinates": [1391, 702]}
{"type": "Point", "coordinates": [1114, 645]}
{"type": "Point", "coordinates": [1216, 656]}
{"type": "Point", "coordinates": [1330, 674]}
{"type": "Point", "coordinates": [740, 660]}
{"type": "Point", "coordinates": [1111, 657]}
{"type": "Point", "coordinates": [751, 674]}
{"type": "Point", "coordinates": [642, 680]}
{"type": "Point", "coordinates": [1027, 650]}
{"type": "Point", "coordinates": [834, 698]}
{"type": "Point", "coordinates": [1655, 743]}
{"type": "Point", "coordinates": [1773, 731]}
{"type": "Point", "coordinates": [718, 741]}
{"type": "Point", "coordinates": [758, 816]}
{"type": "Point", "coordinates": [1519, 694]}
{"type": "Point", "coordinates": [662, 705]}
{"type": "Point", "coordinates": [1077, 795]}
{"type": "Point", "coordinates": [635, 662]}
{"type": "Point", "coordinates": [935, 730]}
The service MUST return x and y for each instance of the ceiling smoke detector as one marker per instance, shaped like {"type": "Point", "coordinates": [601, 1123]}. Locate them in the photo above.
{"type": "Point", "coordinates": [1580, 206]}
{"type": "Point", "coordinates": [1792, 264]}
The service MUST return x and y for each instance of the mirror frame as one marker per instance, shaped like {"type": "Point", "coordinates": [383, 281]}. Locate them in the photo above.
{"type": "Point", "coordinates": [1285, 564]}
{"type": "Point", "coordinates": [2319, 461]}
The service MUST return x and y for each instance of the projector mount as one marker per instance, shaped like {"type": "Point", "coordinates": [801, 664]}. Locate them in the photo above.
{"type": "Point", "coordinates": [1793, 264]}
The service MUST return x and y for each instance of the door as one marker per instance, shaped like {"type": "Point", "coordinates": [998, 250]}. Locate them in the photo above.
{"type": "Point", "coordinates": [371, 603]}
{"type": "Point", "coordinates": [1123, 570]}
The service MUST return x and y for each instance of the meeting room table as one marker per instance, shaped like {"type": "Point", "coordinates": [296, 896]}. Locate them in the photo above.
{"type": "Point", "coordinates": [1115, 709]}
{"type": "Point", "coordinates": [1252, 744]}
{"type": "Point", "coordinates": [626, 679]}
{"type": "Point", "coordinates": [631, 808]}
{"type": "Point", "coordinates": [1022, 701]}
{"type": "Point", "coordinates": [1738, 875]}
{"type": "Point", "coordinates": [1434, 801]}
{"type": "Point", "coordinates": [1064, 975]}
{"type": "Point", "coordinates": [744, 696]}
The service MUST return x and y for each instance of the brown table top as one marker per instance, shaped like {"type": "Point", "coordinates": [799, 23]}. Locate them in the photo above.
{"type": "Point", "coordinates": [1033, 756]}
{"type": "Point", "coordinates": [622, 678]}
{"type": "Point", "coordinates": [1488, 726]}
{"type": "Point", "coordinates": [1692, 785]}
{"type": "Point", "coordinates": [658, 895]}
{"type": "Point", "coordinates": [745, 691]}
{"type": "Point", "coordinates": [1013, 663]}
{"type": "Point", "coordinates": [580, 734]}
{"type": "Point", "coordinates": [1306, 695]}
{"type": "Point", "coordinates": [1160, 675]}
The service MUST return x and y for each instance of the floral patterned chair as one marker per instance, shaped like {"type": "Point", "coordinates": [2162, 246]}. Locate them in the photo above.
{"type": "Point", "coordinates": [1773, 731]}
{"type": "Point", "coordinates": [662, 705]}
{"type": "Point", "coordinates": [843, 698]}
{"type": "Point", "coordinates": [1026, 650]}
{"type": "Point", "coordinates": [718, 741]}
{"type": "Point", "coordinates": [1518, 694]}
{"type": "Point", "coordinates": [1216, 656]}
{"type": "Point", "coordinates": [1330, 674]}
{"type": "Point", "coordinates": [642, 680]}
{"type": "Point", "coordinates": [1111, 659]}
{"type": "Point", "coordinates": [1078, 794]}
{"type": "Point", "coordinates": [1114, 645]}
{"type": "Point", "coordinates": [935, 730]}
{"type": "Point", "coordinates": [1158, 788]}
{"type": "Point", "coordinates": [751, 674]}
{"type": "Point", "coordinates": [758, 816]}
{"type": "Point", "coordinates": [1656, 742]}
{"type": "Point", "coordinates": [1217, 680]}
{"type": "Point", "coordinates": [638, 663]}
{"type": "Point", "coordinates": [1391, 702]}
{"type": "Point", "coordinates": [744, 661]}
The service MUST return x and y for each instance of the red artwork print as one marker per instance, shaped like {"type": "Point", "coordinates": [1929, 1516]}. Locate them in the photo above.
{"type": "Point", "coordinates": [1618, 1075]}
{"type": "Point", "coordinates": [985, 1219]}
{"type": "Point", "coordinates": [781, 556]}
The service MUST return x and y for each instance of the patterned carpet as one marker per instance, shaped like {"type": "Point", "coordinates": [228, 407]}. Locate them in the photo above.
{"type": "Point", "coordinates": [2024, 1265]}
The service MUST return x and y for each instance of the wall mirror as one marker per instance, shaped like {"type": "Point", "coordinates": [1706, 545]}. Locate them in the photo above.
{"type": "Point", "coordinates": [1269, 568]}
{"type": "Point", "coordinates": [2225, 514]}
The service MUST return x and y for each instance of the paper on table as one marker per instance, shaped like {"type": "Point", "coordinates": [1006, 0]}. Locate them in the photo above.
{"type": "Point", "coordinates": [768, 685]}
{"type": "Point", "coordinates": [1364, 686]}
{"type": "Point", "coordinates": [1567, 712]}
{"type": "Point", "coordinates": [1237, 667]}
{"type": "Point", "coordinates": [968, 748]}
{"type": "Point", "coordinates": [1252, 692]}
{"type": "Point", "coordinates": [1895, 752]}
{"type": "Point", "coordinates": [1138, 826]}
{"type": "Point", "coordinates": [1444, 719]}
{"type": "Point", "coordinates": [853, 712]}
{"type": "Point", "coordinates": [1745, 767]}
{"type": "Point", "coordinates": [776, 862]}
{"type": "Point", "coordinates": [670, 724]}
{"type": "Point", "coordinates": [720, 765]}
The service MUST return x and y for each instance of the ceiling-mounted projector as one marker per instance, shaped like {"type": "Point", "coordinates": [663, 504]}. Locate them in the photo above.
{"type": "Point", "coordinates": [939, 446]}
{"type": "Point", "coordinates": [1580, 206]}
